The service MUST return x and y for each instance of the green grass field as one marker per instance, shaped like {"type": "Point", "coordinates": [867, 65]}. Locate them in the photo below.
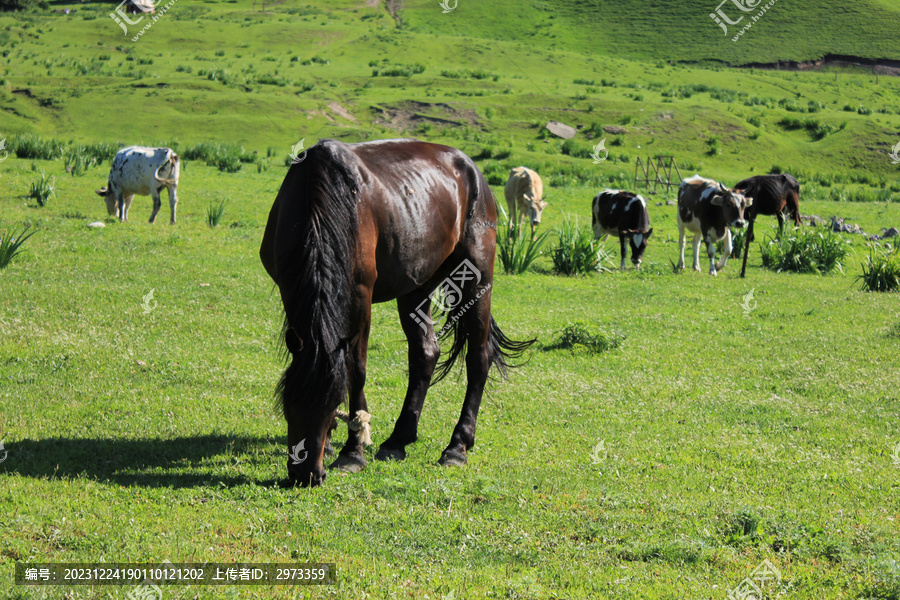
{"type": "Point", "coordinates": [710, 440]}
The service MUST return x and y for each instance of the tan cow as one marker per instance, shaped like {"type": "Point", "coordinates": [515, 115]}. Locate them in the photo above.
{"type": "Point", "coordinates": [523, 196]}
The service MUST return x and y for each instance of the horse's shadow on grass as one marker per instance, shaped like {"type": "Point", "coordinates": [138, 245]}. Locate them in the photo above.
{"type": "Point", "coordinates": [195, 461]}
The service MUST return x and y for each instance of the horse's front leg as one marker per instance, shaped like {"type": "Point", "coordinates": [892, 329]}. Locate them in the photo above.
{"type": "Point", "coordinates": [424, 350]}
{"type": "Point", "coordinates": [352, 458]}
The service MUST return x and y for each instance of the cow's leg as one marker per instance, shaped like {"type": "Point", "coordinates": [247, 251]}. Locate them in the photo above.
{"type": "Point", "coordinates": [623, 247]}
{"type": "Point", "coordinates": [173, 201]}
{"type": "Point", "coordinates": [780, 216]}
{"type": "Point", "coordinates": [424, 351]}
{"type": "Point", "coordinates": [727, 251]}
{"type": "Point", "coordinates": [124, 205]}
{"type": "Point", "coordinates": [696, 245]}
{"type": "Point", "coordinates": [157, 204]}
{"type": "Point", "coordinates": [681, 241]}
{"type": "Point", "coordinates": [352, 458]}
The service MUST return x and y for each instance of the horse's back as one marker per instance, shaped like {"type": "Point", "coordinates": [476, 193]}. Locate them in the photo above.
{"type": "Point", "coordinates": [416, 204]}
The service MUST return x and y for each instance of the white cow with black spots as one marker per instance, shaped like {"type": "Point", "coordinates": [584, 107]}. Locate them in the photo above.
{"type": "Point", "coordinates": [142, 171]}
{"type": "Point", "coordinates": [709, 210]}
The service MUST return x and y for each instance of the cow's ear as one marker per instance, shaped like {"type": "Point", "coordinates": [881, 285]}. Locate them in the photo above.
{"type": "Point", "coordinates": [649, 233]}
{"type": "Point", "coordinates": [748, 201]}
{"type": "Point", "coordinates": [543, 205]}
{"type": "Point", "coordinates": [102, 192]}
{"type": "Point", "coordinates": [718, 200]}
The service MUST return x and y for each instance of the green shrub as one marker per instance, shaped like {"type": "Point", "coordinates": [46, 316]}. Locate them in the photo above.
{"type": "Point", "coordinates": [577, 252]}
{"type": "Point", "coordinates": [738, 239]}
{"type": "Point", "coordinates": [11, 245]}
{"type": "Point", "coordinates": [516, 250]}
{"type": "Point", "coordinates": [580, 335]}
{"type": "Point", "coordinates": [42, 189]}
{"type": "Point", "coordinates": [214, 213]}
{"type": "Point", "coordinates": [881, 270]}
{"type": "Point", "coordinates": [805, 252]}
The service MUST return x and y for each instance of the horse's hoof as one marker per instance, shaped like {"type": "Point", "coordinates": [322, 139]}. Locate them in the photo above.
{"type": "Point", "coordinates": [390, 454]}
{"type": "Point", "coordinates": [348, 464]}
{"type": "Point", "coordinates": [452, 459]}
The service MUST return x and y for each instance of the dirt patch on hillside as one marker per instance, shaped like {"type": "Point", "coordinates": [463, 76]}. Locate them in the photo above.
{"type": "Point", "coordinates": [407, 115]}
{"type": "Point", "coordinates": [394, 7]}
{"type": "Point", "coordinates": [341, 111]}
{"type": "Point", "coordinates": [882, 66]}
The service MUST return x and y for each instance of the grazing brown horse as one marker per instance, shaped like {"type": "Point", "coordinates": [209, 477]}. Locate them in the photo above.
{"type": "Point", "coordinates": [772, 195]}
{"type": "Point", "coordinates": [355, 224]}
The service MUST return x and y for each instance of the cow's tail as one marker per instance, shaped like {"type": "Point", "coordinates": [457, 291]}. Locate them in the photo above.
{"type": "Point", "coordinates": [171, 159]}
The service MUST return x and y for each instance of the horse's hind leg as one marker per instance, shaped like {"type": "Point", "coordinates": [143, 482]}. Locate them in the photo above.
{"type": "Point", "coordinates": [352, 458]}
{"type": "Point", "coordinates": [424, 351]}
{"type": "Point", "coordinates": [476, 326]}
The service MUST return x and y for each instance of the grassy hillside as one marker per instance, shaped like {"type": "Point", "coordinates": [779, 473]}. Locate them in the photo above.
{"type": "Point", "coordinates": [674, 31]}
{"type": "Point", "coordinates": [228, 73]}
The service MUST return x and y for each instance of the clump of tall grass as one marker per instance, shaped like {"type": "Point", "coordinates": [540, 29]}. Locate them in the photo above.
{"type": "Point", "coordinates": [78, 161]}
{"type": "Point", "coordinates": [214, 213]}
{"type": "Point", "coordinates": [881, 270]}
{"type": "Point", "coordinates": [34, 147]}
{"type": "Point", "coordinates": [11, 245]}
{"type": "Point", "coordinates": [738, 239]}
{"type": "Point", "coordinates": [42, 189]}
{"type": "Point", "coordinates": [805, 252]}
{"type": "Point", "coordinates": [228, 157]}
{"type": "Point", "coordinates": [399, 70]}
{"type": "Point", "coordinates": [102, 151]}
{"type": "Point", "coordinates": [581, 335]}
{"type": "Point", "coordinates": [577, 252]}
{"type": "Point", "coordinates": [515, 248]}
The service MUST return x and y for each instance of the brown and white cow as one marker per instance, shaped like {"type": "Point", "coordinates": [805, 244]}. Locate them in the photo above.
{"type": "Point", "coordinates": [709, 210]}
{"type": "Point", "coordinates": [624, 215]}
{"type": "Point", "coordinates": [524, 189]}
{"type": "Point", "coordinates": [142, 171]}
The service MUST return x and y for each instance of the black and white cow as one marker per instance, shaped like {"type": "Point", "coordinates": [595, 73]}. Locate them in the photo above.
{"type": "Point", "coordinates": [142, 171]}
{"type": "Point", "coordinates": [709, 210]}
{"type": "Point", "coordinates": [624, 215]}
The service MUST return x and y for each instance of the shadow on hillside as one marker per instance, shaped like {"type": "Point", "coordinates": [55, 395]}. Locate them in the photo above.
{"type": "Point", "coordinates": [196, 461]}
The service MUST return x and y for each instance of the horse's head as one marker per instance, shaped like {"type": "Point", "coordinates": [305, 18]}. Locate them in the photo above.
{"type": "Point", "coordinates": [307, 437]}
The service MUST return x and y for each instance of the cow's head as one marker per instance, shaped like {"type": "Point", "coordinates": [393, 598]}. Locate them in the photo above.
{"type": "Point", "coordinates": [733, 205]}
{"type": "Point", "coordinates": [535, 208]}
{"type": "Point", "coordinates": [638, 241]}
{"type": "Point", "coordinates": [107, 194]}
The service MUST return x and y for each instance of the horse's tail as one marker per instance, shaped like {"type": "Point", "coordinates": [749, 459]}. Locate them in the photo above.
{"type": "Point", "coordinates": [310, 250]}
{"type": "Point", "coordinates": [502, 350]}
